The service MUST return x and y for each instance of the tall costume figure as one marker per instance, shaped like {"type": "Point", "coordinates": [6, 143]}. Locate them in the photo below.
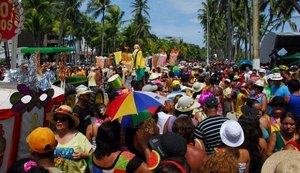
{"type": "Point", "coordinates": [138, 62]}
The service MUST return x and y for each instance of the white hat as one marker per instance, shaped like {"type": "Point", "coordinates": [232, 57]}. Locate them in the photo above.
{"type": "Point", "coordinates": [154, 76]}
{"type": "Point", "coordinates": [149, 88]}
{"type": "Point", "coordinates": [261, 70]}
{"type": "Point", "coordinates": [269, 76]}
{"type": "Point", "coordinates": [228, 80]}
{"type": "Point", "coordinates": [259, 83]}
{"type": "Point", "coordinates": [232, 133]}
{"type": "Point", "coordinates": [82, 89]}
{"type": "Point", "coordinates": [197, 86]}
{"type": "Point", "coordinates": [276, 76]}
{"type": "Point", "coordinates": [282, 162]}
{"type": "Point", "coordinates": [184, 88]}
{"type": "Point", "coordinates": [186, 104]}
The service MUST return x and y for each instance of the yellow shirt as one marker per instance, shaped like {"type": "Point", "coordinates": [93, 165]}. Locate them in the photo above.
{"type": "Point", "coordinates": [63, 154]}
{"type": "Point", "coordinates": [140, 61]}
{"type": "Point", "coordinates": [239, 103]}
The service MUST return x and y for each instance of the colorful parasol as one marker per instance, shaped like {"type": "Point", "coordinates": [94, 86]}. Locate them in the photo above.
{"type": "Point", "coordinates": [131, 121]}
{"type": "Point", "coordinates": [133, 103]}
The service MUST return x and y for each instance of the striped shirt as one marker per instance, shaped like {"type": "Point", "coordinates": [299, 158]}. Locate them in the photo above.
{"type": "Point", "coordinates": [208, 131]}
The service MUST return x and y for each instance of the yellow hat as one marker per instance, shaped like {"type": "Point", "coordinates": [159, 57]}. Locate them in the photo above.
{"type": "Point", "coordinates": [175, 83]}
{"type": "Point", "coordinates": [41, 140]}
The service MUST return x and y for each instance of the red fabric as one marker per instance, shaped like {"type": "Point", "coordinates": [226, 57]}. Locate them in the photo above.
{"type": "Point", "coordinates": [114, 106]}
{"type": "Point", "coordinates": [15, 140]}
{"type": "Point", "coordinates": [295, 144]}
{"type": "Point", "coordinates": [6, 113]}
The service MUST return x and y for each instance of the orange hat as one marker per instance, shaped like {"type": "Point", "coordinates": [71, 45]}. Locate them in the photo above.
{"type": "Point", "coordinates": [67, 110]}
{"type": "Point", "coordinates": [41, 140]}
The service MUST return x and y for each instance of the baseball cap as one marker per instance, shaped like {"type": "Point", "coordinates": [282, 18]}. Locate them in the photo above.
{"type": "Point", "coordinates": [169, 145]}
{"type": "Point", "coordinates": [41, 140]}
{"type": "Point", "coordinates": [211, 101]}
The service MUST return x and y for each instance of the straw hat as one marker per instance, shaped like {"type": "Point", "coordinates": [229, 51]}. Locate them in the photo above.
{"type": "Point", "coordinates": [67, 110]}
{"type": "Point", "coordinates": [232, 133]}
{"type": "Point", "coordinates": [186, 104]}
{"type": "Point", "coordinates": [276, 76]}
{"type": "Point", "coordinates": [154, 76]}
{"type": "Point", "coordinates": [149, 88]}
{"type": "Point", "coordinates": [82, 89]}
{"type": "Point", "coordinates": [282, 162]}
{"type": "Point", "coordinates": [197, 86]}
{"type": "Point", "coordinates": [259, 83]}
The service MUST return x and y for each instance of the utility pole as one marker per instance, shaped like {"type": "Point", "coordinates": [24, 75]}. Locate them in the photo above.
{"type": "Point", "coordinates": [207, 33]}
{"type": "Point", "coordinates": [256, 40]}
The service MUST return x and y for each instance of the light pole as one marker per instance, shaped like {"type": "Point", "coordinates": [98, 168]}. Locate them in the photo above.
{"type": "Point", "coordinates": [207, 33]}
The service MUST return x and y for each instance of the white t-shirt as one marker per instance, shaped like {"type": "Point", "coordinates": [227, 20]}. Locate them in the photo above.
{"type": "Point", "coordinates": [162, 119]}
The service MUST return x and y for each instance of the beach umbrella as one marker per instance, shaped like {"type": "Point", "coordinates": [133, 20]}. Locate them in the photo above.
{"type": "Point", "coordinates": [133, 103]}
{"type": "Point", "coordinates": [131, 121]}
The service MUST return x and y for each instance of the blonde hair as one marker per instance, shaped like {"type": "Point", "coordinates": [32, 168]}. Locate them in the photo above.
{"type": "Point", "coordinates": [215, 164]}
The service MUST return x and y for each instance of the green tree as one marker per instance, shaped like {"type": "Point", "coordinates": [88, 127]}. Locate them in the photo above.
{"type": "Point", "coordinates": [140, 20]}
{"type": "Point", "coordinates": [114, 19]}
{"type": "Point", "coordinates": [97, 7]}
{"type": "Point", "coordinates": [69, 10]}
{"type": "Point", "coordinates": [38, 18]}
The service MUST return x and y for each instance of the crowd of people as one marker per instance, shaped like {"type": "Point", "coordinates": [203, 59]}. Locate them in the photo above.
{"type": "Point", "coordinates": [217, 118]}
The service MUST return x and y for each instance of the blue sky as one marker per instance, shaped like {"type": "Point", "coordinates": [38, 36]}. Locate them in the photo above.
{"type": "Point", "coordinates": [171, 18]}
{"type": "Point", "coordinates": [175, 18]}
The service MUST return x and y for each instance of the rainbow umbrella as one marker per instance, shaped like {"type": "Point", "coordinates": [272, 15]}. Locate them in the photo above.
{"type": "Point", "coordinates": [131, 121]}
{"type": "Point", "coordinates": [133, 103]}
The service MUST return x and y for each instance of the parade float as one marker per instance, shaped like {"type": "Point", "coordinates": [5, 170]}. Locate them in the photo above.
{"type": "Point", "coordinates": [26, 100]}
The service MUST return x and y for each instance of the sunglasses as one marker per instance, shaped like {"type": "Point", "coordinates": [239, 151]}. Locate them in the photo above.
{"type": "Point", "coordinates": [60, 118]}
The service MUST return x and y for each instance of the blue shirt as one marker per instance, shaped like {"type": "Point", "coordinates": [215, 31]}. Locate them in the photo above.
{"type": "Point", "coordinates": [281, 91]}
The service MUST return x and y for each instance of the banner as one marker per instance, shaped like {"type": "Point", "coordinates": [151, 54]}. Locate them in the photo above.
{"type": "Point", "coordinates": [173, 56]}
{"type": "Point", "coordinates": [11, 19]}
{"type": "Point", "coordinates": [162, 60]}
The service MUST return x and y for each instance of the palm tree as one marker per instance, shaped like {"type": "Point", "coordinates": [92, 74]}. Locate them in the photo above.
{"type": "Point", "coordinates": [296, 5]}
{"type": "Point", "coordinates": [114, 19]}
{"type": "Point", "coordinates": [98, 7]}
{"type": "Point", "coordinates": [140, 20]}
{"type": "Point", "coordinates": [217, 27]}
{"type": "Point", "coordinates": [70, 10]}
{"type": "Point", "coordinates": [38, 18]}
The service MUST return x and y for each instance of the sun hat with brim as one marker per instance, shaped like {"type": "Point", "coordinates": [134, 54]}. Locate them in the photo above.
{"type": "Point", "coordinates": [197, 86]}
{"type": "Point", "coordinates": [269, 77]}
{"type": "Point", "coordinates": [149, 88]}
{"type": "Point", "coordinates": [232, 133]}
{"type": "Point", "coordinates": [186, 104]}
{"type": "Point", "coordinates": [41, 140]}
{"type": "Point", "coordinates": [67, 110]}
{"type": "Point", "coordinates": [276, 76]}
{"type": "Point", "coordinates": [154, 76]}
{"type": "Point", "coordinates": [285, 161]}
{"type": "Point", "coordinates": [259, 83]}
{"type": "Point", "coordinates": [82, 89]}
{"type": "Point", "coordinates": [185, 88]}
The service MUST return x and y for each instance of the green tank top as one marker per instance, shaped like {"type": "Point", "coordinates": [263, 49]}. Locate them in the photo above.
{"type": "Point", "coordinates": [279, 142]}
